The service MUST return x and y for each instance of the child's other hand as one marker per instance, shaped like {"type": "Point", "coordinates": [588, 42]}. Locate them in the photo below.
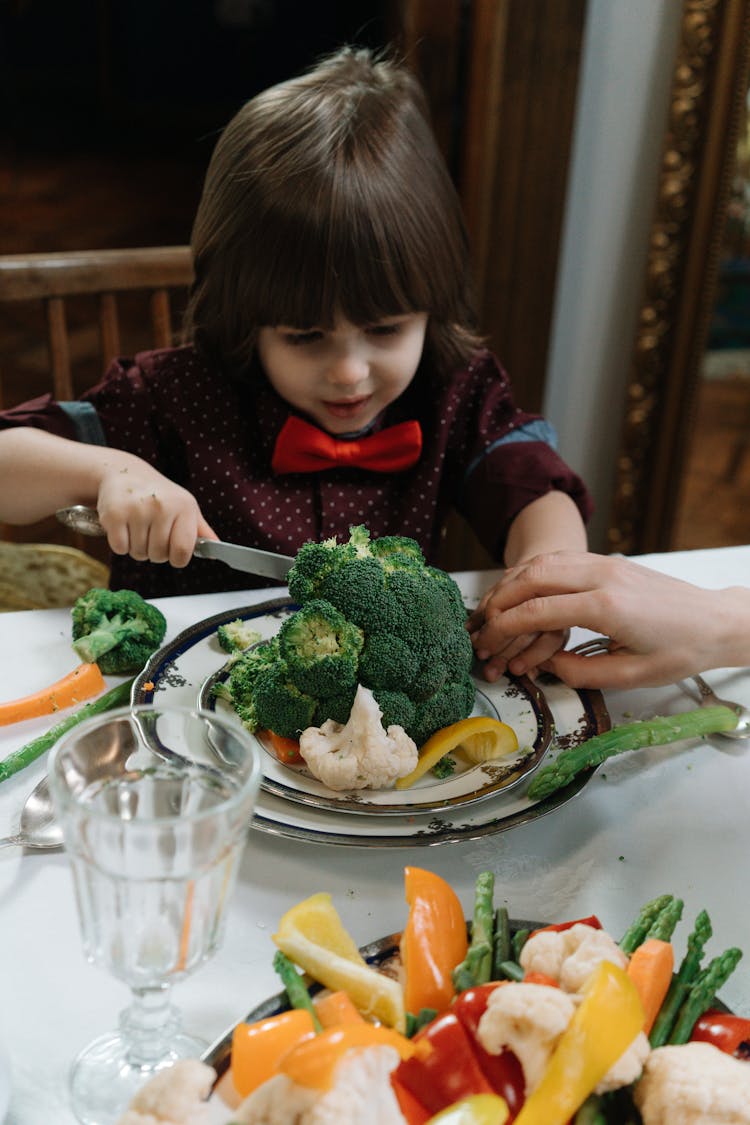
{"type": "Point", "coordinates": [149, 517]}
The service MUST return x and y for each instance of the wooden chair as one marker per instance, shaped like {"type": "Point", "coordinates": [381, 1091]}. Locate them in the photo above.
{"type": "Point", "coordinates": [63, 318]}
{"type": "Point", "coordinates": [54, 280]}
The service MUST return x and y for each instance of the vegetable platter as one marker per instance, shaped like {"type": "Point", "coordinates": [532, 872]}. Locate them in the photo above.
{"type": "Point", "coordinates": [182, 671]}
{"type": "Point", "coordinates": [488, 1021]}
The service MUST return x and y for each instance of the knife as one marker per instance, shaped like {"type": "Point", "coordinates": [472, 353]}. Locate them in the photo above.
{"type": "Point", "coordinates": [251, 560]}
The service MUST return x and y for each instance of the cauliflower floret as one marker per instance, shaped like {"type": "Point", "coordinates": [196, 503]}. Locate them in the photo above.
{"type": "Point", "coordinates": [176, 1096]}
{"type": "Point", "coordinates": [628, 1067]}
{"type": "Point", "coordinates": [570, 956]}
{"type": "Point", "coordinates": [695, 1084]}
{"type": "Point", "coordinates": [528, 1019]}
{"type": "Point", "coordinates": [359, 755]}
{"type": "Point", "coordinates": [361, 1092]}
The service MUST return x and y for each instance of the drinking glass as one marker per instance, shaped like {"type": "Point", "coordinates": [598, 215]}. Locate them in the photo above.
{"type": "Point", "coordinates": [155, 804]}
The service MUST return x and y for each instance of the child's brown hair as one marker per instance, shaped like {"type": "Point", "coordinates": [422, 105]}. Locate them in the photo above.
{"type": "Point", "coordinates": [325, 195]}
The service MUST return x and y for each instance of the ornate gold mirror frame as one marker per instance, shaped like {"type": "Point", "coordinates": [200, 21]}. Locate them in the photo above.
{"type": "Point", "coordinates": [709, 85]}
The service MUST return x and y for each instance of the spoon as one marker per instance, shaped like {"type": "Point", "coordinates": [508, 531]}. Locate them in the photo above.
{"type": "Point", "coordinates": [38, 827]}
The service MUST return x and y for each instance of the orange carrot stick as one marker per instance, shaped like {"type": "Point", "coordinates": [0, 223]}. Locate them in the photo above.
{"type": "Point", "coordinates": [650, 969]}
{"type": "Point", "coordinates": [83, 682]}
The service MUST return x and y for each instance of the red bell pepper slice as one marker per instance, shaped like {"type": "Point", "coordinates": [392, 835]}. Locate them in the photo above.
{"type": "Point", "coordinates": [412, 1109]}
{"type": "Point", "coordinates": [724, 1030]}
{"type": "Point", "coordinates": [448, 1071]}
{"type": "Point", "coordinates": [558, 927]}
{"type": "Point", "coordinates": [504, 1072]}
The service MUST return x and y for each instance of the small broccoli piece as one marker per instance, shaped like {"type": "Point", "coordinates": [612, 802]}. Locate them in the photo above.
{"type": "Point", "coordinates": [278, 705]}
{"type": "Point", "coordinates": [387, 662]}
{"type": "Point", "coordinates": [243, 675]}
{"type": "Point", "coordinates": [321, 649]}
{"type": "Point", "coordinates": [116, 629]}
{"type": "Point", "coordinates": [237, 635]}
{"type": "Point", "coordinates": [445, 767]}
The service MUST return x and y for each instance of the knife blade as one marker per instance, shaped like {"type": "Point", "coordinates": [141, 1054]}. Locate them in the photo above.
{"type": "Point", "coordinates": [251, 560]}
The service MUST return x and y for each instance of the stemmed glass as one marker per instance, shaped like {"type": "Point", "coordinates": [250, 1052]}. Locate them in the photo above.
{"type": "Point", "coordinates": [155, 804]}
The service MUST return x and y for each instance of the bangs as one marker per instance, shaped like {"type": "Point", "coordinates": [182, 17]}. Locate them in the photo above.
{"type": "Point", "coordinates": [358, 252]}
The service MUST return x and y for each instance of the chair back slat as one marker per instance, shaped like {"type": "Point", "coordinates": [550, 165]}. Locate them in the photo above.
{"type": "Point", "coordinates": [109, 325]}
{"type": "Point", "coordinates": [161, 318]}
{"type": "Point", "coordinates": [59, 347]}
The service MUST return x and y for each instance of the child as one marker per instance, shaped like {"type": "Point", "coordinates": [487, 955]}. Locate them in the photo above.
{"type": "Point", "coordinates": [332, 374]}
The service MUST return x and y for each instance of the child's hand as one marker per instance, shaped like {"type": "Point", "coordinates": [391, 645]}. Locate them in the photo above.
{"type": "Point", "coordinates": [498, 645]}
{"type": "Point", "coordinates": [148, 516]}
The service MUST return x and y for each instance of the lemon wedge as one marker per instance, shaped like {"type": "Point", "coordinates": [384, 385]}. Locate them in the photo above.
{"type": "Point", "coordinates": [481, 738]}
{"type": "Point", "coordinates": [312, 935]}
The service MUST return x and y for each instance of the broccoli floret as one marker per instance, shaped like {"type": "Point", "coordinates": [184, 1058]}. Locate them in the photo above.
{"type": "Point", "coordinates": [278, 705]}
{"type": "Point", "coordinates": [387, 662]}
{"type": "Point", "coordinates": [337, 707]}
{"type": "Point", "coordinates": [445, 767]}
{"type": "Point", "coordinates": [321, 649]}
{"type": "Point", "coordinates": [312, 565]}
{"type": "Point", "coordinates": [116, 629]}
{"type": "Point", "coordinates": [454, 701]}
{"type": "Point", "coordinates": [237, 635]}
{"type": "Point", "coordinates": [396, 550]}
{"type": "Point", "coordinates": [398, 710]}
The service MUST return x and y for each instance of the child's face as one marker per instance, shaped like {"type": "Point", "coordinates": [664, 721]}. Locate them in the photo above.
{"type": "Point", "coordinates": [343, 377]}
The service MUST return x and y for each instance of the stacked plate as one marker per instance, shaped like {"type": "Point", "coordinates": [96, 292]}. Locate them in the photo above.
{"type": "Point", "coordinates": [474, 801]}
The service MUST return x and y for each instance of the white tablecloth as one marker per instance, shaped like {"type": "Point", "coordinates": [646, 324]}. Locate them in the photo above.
{"type": "Point", "coordinates": [666, 819]}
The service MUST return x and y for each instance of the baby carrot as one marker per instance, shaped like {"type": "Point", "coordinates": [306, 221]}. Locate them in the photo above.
{"type": "Point", "coordinates": [83, 682]}
{"type": "Point", "coordinates": [650, 969]}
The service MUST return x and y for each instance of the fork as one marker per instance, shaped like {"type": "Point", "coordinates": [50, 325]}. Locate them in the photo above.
{"type": "Point", "coordinates": [708, 697]}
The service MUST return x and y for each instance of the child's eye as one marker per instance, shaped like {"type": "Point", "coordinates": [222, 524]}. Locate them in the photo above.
{"type": "Point", "coordinates": [299, 339]}
{"type": "Point", "coordinates": [391, 329]}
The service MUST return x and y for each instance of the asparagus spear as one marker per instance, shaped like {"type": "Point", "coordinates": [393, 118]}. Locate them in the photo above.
{"type": "Point", "coordinates": [477, 965]}
{"type": "Point", "coordinates": [298, 995]}
{"type": "Point", "coordinates": [664, 924]}
{"type": "Point", "coordinates": [682, 980]}
{"type": "Point", "coordinates": [700, 996]}
{"type": "Point", "coordinates": [630, 736]}
{"type": "Point", "coordinates": [501, 948]}
{"type": "Point", "coordinates": [635, 935]}
{"type": "Point", "coordinates": [117, 696]}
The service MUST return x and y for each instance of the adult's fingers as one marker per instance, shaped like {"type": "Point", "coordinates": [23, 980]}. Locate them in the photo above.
{"type": "Point", "coordinates": [541, 615]}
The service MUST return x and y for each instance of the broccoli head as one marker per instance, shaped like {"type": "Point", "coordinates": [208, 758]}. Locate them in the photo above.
{"type": "Point", "coordinates": [116, 629]}
{"type": "Point", "coordinates": [371, 612]}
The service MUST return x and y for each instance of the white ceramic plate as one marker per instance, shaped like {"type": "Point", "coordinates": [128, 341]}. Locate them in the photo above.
{"type": "Point", "coordinates": [177, 675]}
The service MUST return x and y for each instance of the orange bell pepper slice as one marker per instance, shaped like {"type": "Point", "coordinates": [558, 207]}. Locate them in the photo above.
{"type": "Point", "coordinates": [434, 940]}
{"type": "Point", "coordinates": [258, 1048]}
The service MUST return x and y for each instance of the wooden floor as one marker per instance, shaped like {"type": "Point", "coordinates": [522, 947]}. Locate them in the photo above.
{"type": "Point", "coordinates": [86, 201]}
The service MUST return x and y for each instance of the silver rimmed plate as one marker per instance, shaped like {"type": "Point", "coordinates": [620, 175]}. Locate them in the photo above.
{"type": "Point", "coordinates": [178, 672]}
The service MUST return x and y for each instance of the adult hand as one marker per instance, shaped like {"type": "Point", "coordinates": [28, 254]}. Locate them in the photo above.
{"type": "Point", "coordinates": [148, 516]}
{"type": "Point", "coordinates": [662, 628]}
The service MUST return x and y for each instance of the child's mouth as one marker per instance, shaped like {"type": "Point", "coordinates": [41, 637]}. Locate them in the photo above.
{"type": "Point", "coordinates": [348, 408]}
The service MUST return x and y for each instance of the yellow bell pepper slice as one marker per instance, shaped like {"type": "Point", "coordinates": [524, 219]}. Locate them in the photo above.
{"type": "Point", "coordinates": [604, 1025]}
{"type": "Point", "coordinates": [479, 727]}
{"type": "Point", "coordinates": [479, 1109]}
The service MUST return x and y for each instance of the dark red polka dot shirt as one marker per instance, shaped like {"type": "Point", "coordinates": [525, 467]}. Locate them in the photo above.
{"type": "Point", "coordinates": [215, 437]}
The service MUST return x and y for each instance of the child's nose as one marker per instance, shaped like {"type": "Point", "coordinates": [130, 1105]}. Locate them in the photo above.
{"type": "Point", "coordinates": [348, 367]}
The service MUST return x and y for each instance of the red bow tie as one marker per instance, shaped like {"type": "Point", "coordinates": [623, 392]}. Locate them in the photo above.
{"type": "Point", "coordinates": [303, 448]}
